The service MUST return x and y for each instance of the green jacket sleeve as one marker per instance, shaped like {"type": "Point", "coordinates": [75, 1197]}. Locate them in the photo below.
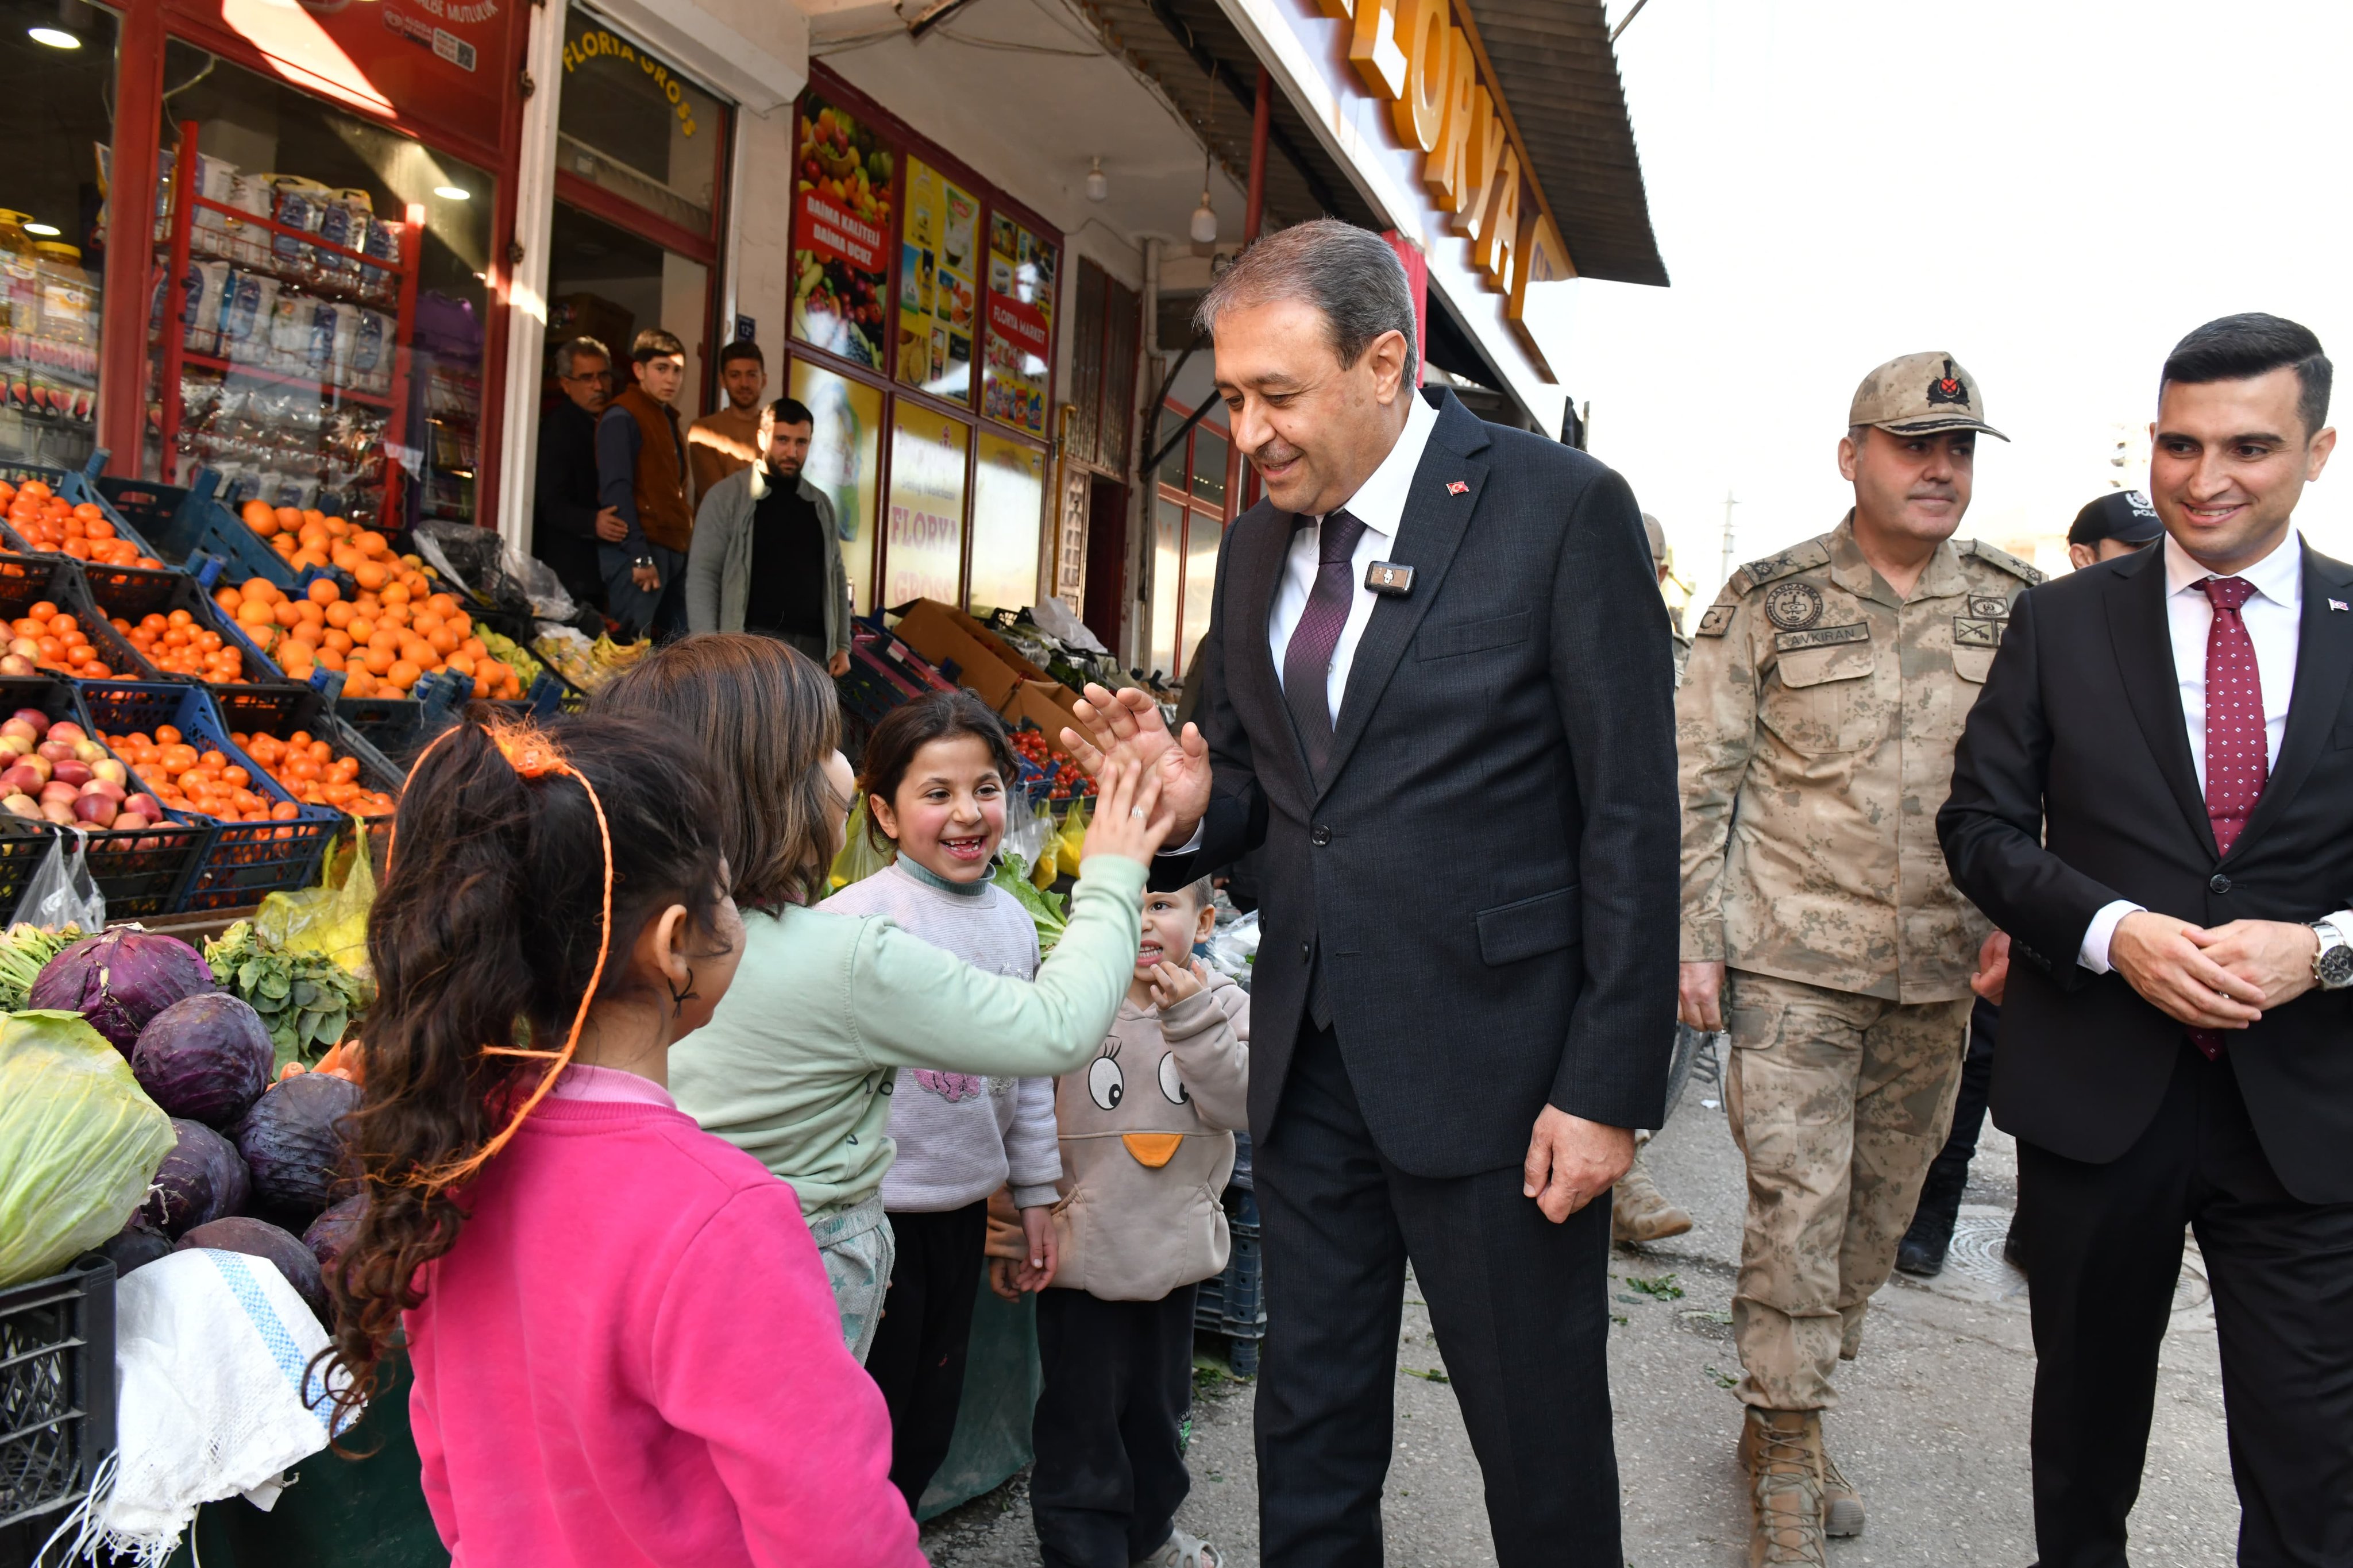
{"type": "Point", "coordinates": [913, 1005]}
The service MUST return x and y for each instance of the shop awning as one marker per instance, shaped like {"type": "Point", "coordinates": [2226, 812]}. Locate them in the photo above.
{"type": "Point", "coordinates": [1553, 61]}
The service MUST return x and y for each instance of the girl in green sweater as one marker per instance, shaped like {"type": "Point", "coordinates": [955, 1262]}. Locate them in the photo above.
{"type": "Point", "coordinates": [795, 1066]}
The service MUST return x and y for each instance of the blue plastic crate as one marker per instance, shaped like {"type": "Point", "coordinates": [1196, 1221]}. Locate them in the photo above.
{"type": "Point", "coordinates": [192, 527]}
{"type": "Point", "coordinates": [246, 860]}
{"type": "Point", "coordinates": [87, 483]}
{"type": "Point", "coordinates": [142, 871]}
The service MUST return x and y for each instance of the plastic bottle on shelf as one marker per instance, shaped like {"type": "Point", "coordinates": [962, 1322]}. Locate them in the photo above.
{"type": "Point", "coordinates": [20, 295]}
{"type": "Point", "coordinates": [66, 353]}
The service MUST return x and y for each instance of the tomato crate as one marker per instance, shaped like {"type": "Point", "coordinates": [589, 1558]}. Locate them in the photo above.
{"type": "Point", "coordinates": [57, 1387]}
{"type": "Point", "coordinates": [244, 859]}
{"type": "Point", "coordinates": [85, 484]}
{"type": "Point", "coordinates": [264, 691]}
{"type": "Point", "coordinates": [57, 580]}
{"type": "Point", "coordinates": [141, 870]}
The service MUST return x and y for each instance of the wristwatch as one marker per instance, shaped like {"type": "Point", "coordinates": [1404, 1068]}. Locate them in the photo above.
{"type": "Point", "coordinates": [642, 562]}
{"type": "Point", "coordinates": [2332, 966]}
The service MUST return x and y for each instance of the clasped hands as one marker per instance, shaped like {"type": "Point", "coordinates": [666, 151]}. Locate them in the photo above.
{"type": "Point", "coordinates": [1571, 1161]}
{"type": "Point", "coordinates": [2219, 978]}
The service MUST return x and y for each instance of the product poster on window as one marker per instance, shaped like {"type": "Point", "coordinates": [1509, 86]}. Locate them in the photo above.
{"type": "Point", "coordinates": [922, 543]}
{"type": "Point", "coordinates": [845, 462]}
{"type": "Point", "coordinates": [938, 298]}
{"type": "Point", "coordinates": [1008, 508]}
{"type": "Point", "coordinates": [1019, 336]}
{"type": "Point", "coordinates": [841, 232]}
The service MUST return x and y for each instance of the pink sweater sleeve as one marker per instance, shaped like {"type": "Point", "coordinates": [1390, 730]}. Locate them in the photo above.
{"type": "Point", "coordinates": [434, 1469]}
{"type": "Point", "coordinates": [748, 1356]}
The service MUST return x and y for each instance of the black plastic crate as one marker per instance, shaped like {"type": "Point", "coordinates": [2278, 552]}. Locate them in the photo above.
{"type": "Point", "coordinates": [80, 486]}
{"type": "Point", "coordinates": [1234, 1302]}
{"type": "Point", "coordinates": [57, 1387]}
{"type": "Point", "coordinates": [246, 861]}
{"type": "Point", "coordinates": [57, 579]}
{"type": "Point", "coordinates": [1243, 1177]}
{"type": "Point", "coordinates": [141, 870]}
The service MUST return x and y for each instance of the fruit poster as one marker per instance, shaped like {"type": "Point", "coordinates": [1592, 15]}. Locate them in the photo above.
{"type": "Point", "coordinates": [923, 542]}
{"type": "Point", "coordinates": [937, 299]}
{"type": "Point", "coordinates": [1009, 507]}
{"type": "Point", "coordinates": [845, 461]}
{"type": "Point", "coordinates": [1019, 336]}
{"type": "Point", "coordinates": [841, 234]}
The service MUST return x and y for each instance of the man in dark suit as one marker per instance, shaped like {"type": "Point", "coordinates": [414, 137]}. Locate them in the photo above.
{"type": "Point", "coordinates": [1437, 692]}
{"type": "Point", "coordinates": [2154, 797]}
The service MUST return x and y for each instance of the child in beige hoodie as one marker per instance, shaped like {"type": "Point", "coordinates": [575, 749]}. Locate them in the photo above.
{"type": "Point", "coordinates": [1147, 1134]}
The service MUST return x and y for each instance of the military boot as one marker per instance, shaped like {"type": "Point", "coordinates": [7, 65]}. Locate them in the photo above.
{"type": "Point", "coordinates": [1639, 1212]}
{"type": "Point", "coordinates": [1781, 1451]}
{"type": "Point", "coordinates": [1842, 1503]}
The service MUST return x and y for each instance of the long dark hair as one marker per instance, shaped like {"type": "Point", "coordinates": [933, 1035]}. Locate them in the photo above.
{"type": "Point", "coordinates": [486, 938]}
{"type": "Point", "coordinates": [908, 728]}
{"type": "Point", "coordinates": [767, 718]}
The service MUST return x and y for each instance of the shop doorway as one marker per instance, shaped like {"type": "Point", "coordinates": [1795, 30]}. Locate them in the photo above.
{"type": "Point", "coordinates": [607, 283]}
{"type": "Point", "coordinates": [1106, 595]}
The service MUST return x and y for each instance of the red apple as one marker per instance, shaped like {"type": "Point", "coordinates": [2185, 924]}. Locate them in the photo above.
{"type": "Point", "coordinates": [20, 729]}
{"type": "Point", "coordinates": [22, 779]}
{"type": "Point", "coordinates": [23, 806]}
{"type": "Point", "coordinates": [56, 789]}
{"type": "Point", "coordinates": [147, 805]}
{"type": "Point", "coordinates": [108, 769]}
{"type": "Point", "coordinates": [58, 812]}
{"type": "Point", "coordinates": [128, 822]}
{"type": "Point", "coordinates": [72, 772]}
{"type": "Point", "coordinates": [95, 809]}
{"type": "Point", "coordinates": [107, 787]}
{"type": "Point", "coordinates": [66, 729]}
{"type": "Point", "coordinates": [25, 647]}
{"type": "Point", "coordinates": [17, 665]}
{"type": "Point", "coordinates": [32, 716]}
{"type": "Point", "coordinates": [54, 750]}
{"type": "Point", "coordinates": [86, 750]}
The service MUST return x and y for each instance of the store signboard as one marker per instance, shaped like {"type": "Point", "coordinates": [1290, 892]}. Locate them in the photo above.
{"type": "Point", "coordinates": [431, 64]}
{"type": "Point", "coordinates": [844, 462]}
{"type": "Point", "coordinates": [841, 229]}
{"type": "Point", "coordinates": [922, 543]}
{"type": "Point", "coordinates": [937, 292]}
{"type": "Point", "coordinates": [1019, 333]}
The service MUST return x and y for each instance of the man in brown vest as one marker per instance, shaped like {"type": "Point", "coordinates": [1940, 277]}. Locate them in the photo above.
{"type": "Point", "coordinates": [641, 475]}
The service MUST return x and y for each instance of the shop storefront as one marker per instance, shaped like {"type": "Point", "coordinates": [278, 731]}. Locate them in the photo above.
{"type": "Point", "coordinates": [259, 238]}
{"type": "Point", "coordinates": [921, 335]}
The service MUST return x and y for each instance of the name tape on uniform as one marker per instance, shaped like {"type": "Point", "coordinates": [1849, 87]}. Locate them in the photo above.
{"type": "Point", "coordinates": [1822, 637]}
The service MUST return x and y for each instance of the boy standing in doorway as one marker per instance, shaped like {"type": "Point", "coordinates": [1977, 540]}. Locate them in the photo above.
{"type": "Point", "coordinates": [642, 479]}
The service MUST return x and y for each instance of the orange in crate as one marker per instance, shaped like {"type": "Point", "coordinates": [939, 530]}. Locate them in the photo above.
{"type": "Point", "coordinates": [384, 640]}
{"type": "Point", "coordinates": [47, 521]}
{"type": "Point", "coordinates": [178, 644]}
{"type": "Point", "coordinates": [314, 773]}
{"type": "Point", "coordinates": [45, 637]}
{"type": "Point", "coordinates": [186, 778]}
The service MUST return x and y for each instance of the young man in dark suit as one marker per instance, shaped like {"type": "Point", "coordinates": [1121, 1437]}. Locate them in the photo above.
{"type": "Point", "coordinates": [2153, 798]}
{"type": "Point", "coordinates": [1436, 697]}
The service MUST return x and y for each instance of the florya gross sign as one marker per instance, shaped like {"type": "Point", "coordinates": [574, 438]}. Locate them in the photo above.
{"type": "Point", "coordinates": [1412, 57]}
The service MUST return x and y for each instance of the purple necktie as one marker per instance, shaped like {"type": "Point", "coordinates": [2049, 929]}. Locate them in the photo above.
{"type": "Point", "coordinates": [2238, 749]}
{"type": "Point", "coordinates": [1307, 659]}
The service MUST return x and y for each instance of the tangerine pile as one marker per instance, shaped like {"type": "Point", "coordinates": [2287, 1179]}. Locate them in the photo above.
{"type": "Point", "coordinates": [383, 641]}
{"type": "Point", "coordinates": [58, 641]}
{"type": "Point", "coordinates": [187, 779]}
{"type": "Point", "coordinates": [312, 772]}
{"type": "Point", "coordinates": [309, 537]}
{"type": "Point", "coordinates": [178, 644]}
{"type": "Point", "coordinates": [48, 521]}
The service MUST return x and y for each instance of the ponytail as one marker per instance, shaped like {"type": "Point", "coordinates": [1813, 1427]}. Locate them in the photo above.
{"type": "Point", "coordinates": [521, 861]}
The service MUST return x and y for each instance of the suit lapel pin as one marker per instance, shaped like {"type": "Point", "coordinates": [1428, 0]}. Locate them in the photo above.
{"type": "Point", "coordinates": [1389, 579]}
{"type": "Point", "coordinates": [2338, 604]}
{"type": "Point", "coordinates": [1458, 487]}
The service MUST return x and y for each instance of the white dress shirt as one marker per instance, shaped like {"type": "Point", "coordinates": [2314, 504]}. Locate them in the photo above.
{"type": "Point", "coordinates": [1379, 505]}
{"type": "Point", "coordinates": [2274, 617]}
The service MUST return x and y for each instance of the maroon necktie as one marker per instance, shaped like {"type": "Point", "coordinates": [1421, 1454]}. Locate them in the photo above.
{"type": "Point", "coordinates": [1307, 657]}
{"type": "Point", "coordinates": [2238, 750]}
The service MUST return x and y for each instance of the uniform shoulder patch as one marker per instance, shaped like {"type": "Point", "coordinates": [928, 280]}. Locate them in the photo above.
{"type": "Point", "coordinates": [1797, 558]}
{"type": "Point", "coordinates": [1717, 622]}
{"type": "Point", "coordinates": [2001, 559]}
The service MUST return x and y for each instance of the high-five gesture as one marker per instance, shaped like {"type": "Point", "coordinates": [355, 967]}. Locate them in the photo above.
{"type": "Point", "coordinates": [1129, 722]}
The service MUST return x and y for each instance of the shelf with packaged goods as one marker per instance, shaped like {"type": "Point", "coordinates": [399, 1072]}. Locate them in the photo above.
{"type": "Point", "coordinates": [378, 290]}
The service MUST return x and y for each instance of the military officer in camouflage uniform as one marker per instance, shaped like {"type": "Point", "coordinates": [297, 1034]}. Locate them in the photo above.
{"type": "Point", "coordinates": [1815, 728]}
{"type": "Point", "coordinates": [1638, 1210]}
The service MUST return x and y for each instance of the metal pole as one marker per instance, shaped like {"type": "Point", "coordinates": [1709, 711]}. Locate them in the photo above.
{"type": "Point", "coordinates": [1262, 121]}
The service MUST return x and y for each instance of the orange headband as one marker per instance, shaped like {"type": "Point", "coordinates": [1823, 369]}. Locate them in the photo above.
{"type": "Point", "coordinates": [531, 757]}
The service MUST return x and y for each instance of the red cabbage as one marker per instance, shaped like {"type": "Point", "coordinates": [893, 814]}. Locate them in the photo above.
{"type": "Point", "coordinates": [205, 1057]}
{"type": "Point", "coordinates": [332, 1231]}
{"type": "Point", "coordinates": [259, 1238]}
{"type": "Point", "coordinates": [202, 1179]}
{"type": "Point", "coordinates": [135, 1246]}
{"type": "Point", "coordinates": [294, 1144]}
{"type": "Point", "coordinates": [120, 979]}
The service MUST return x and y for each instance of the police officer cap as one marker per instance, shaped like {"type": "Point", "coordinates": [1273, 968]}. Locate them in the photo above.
{"type": "Point", "coordinates": [2124, 515]}
{"type": "Point", "coordinates": [1920, 394]}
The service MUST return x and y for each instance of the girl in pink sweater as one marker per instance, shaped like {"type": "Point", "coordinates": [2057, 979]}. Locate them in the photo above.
{"type": "Point", "coordinates": [626, 1351]}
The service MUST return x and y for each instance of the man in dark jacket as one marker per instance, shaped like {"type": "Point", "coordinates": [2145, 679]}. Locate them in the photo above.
{"type": "Point", "coordinates": [1436, 697]}
{"type": "Point", "coordinates": [564, 500]}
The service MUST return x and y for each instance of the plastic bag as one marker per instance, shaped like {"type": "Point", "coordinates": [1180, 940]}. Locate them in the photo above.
{"type": "Point", "coordinates": [540, 585]}
{"type": "Point", "coordinates": [330, 919]}
{"type": "Point", "coordinates": [1070, 842]}
{"type": "Point", "coordinates": [1232, 948]}
{"type": "Point", "coordinates": [1054, 618]}
{"type": "Point", "coordinates": [62, 892]}
{"type": "Point", "coordinates": [80, 1142]}
{"type": "Point", "coordinates": [1026, 837]}
{"type": "Point", "coordinates": [859, 859]}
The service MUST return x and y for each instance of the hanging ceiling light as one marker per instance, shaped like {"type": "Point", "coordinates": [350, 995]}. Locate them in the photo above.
{"type": "Point", "coordinates": [72, 28]}
{"type": "Point", "coordinates": [1205, 217]}
{"type": "Point", "coordinates": [1098, 187]}
{"type": "Point", "coordinates": [56, 38]}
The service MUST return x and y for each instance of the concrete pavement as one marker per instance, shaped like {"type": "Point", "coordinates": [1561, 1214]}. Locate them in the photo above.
{"type": "Point", "coordinates": [1933, 1427]}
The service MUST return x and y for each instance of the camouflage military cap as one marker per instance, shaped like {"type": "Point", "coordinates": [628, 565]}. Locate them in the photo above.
{"type": "Point", "coordinates": [1657, 535]}
{"type": "Point", "coordinates": [1921, 395]}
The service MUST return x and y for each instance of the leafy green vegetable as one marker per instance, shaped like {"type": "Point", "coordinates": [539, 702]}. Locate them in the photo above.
{"type": "Point", "coordinates": [306, 1000]}
{"type": "Point", "coordinates": [1049, 919]}
{"type": "Point", "coordinates": [79, 1141]}
{"type": "Point", "coordinates": [23, 952]}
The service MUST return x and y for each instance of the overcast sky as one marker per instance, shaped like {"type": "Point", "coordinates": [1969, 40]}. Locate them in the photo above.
{"type": "Point", "coordinates": [2052, 192]}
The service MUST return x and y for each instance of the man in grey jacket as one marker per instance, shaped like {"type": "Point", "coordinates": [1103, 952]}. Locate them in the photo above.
{"type": "Point", "coordinates": [765, 556]}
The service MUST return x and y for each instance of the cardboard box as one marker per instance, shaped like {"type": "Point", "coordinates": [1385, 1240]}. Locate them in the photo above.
{"type": "Point", "coordinates": [984, 661]}
{"type": "Point", "coordinates": [1049, 704]}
